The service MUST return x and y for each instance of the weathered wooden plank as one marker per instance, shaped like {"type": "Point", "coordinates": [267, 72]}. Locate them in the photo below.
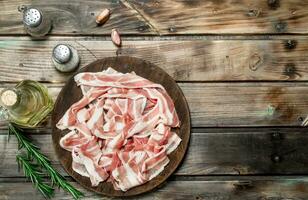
{"type": "Point", "coordinates": [246, 104]}
{"type": "Point", "coordinates": [74, 17]}
{"type": "Point", "coordinates": [253, 188]}
{"type": "Point", "coordinates": [165, 16]}
{"type": "Point", "coordinates": [211, 152]}
{"type": "Point", "coordinates": [199, 60]}
{"type": "Point", "coordinates": [224, 16]}
{"type": "Point", "coordinates": [241, 104]}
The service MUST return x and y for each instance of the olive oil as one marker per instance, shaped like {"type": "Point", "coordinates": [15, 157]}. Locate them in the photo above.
{"type": "Point", "coordinates": [27, 104]}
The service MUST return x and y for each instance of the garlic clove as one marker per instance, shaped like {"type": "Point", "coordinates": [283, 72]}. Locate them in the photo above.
{"type": "Point", "coordinates": [115, 37]}
{"type": "Point", "coordinates": [103, 17]}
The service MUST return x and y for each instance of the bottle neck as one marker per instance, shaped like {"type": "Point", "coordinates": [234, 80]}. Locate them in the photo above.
{"type": "Point", "coordinates": [9, 98]}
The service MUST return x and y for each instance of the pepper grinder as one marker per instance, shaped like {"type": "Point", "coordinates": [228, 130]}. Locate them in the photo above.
{"type": "Point", "coordinates": [36, 23]}
{"type": "Point", "coordinates": [65, 58]}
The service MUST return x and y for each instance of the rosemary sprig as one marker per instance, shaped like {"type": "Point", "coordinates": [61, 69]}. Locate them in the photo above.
{"type": "Point", "coordinates": [57, 178]}
{"type": "Point", "coordinates": [34, 153]}
{"type": "Point", "coordinates": [32, 172]}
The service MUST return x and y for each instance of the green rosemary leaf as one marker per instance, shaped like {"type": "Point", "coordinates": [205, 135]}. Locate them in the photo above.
{"type": "Point", "coordinates": [32, 172]}
{"type": "Point", "coordinates": [33, 153]}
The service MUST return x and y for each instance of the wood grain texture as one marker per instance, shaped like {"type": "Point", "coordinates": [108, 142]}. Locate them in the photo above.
{"type": "Point", "coordinates": [244, 151]}
{"type": "Point", "coordinates": [252, 188]}
{"type": "Point", "coordinates": [247, 104]}
{"type": "Point", "coordinates": [204, 41]}
{"type": "Point", "coordinates": [162, 17]}
{"type": "Point", "coordinates": [224, 16]}
{"type": "Point", "coordinates": [74, 17]}
{"type": "Point", "coordinates": [199, 60]}
{"type": "Point", "coordinates": [71, 93]}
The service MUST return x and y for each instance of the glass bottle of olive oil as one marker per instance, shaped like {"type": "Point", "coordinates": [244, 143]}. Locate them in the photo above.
{"type": "Point", "coordinates": [26, 104]}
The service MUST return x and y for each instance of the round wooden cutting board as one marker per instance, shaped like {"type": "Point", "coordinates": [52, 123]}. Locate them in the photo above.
{"type": "Point", "coordinates": [70, 94]}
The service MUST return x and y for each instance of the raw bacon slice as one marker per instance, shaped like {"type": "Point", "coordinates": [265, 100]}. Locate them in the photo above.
{"type": "Point", "coordinates": [120, 130]}
{"type": "Point", "coordinates": [89, 155]}
{"type": "Point", "coordinates": [72, 139]}
{"type": "Point", "coordinates": [163, 136]}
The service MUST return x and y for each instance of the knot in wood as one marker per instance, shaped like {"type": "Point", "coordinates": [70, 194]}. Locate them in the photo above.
{"type": "Point", "coordinates": [273, 4]}
{"type": "Point", "coordinates": [290, 44]}
{"type": "Point", "coordinates": [254, 62]}
{"type": "Point", "coordinates": [21, 8]}
{"type": "Point", "coordinates": [280, 26]}
{"type": "Point", "coordinates": [172, 29]}
{"type": "Point", "coordinates": [301, 119]}
{"type": "Point", "coordinates": [290, 68]}
{"type": "Point", "coordinates": [270, 110]}
{"type": "Point", "coordinates": [253, 13]}
{"type": "Point", "coordinates": [276, 158]}
{"type": "Point", "coordinates": [143, 27]}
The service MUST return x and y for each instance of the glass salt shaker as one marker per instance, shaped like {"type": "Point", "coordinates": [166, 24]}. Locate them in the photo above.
{"type": "Point", "coordinates": [36, 22]}
{"type": "Point", "coordinates": [65, 58]}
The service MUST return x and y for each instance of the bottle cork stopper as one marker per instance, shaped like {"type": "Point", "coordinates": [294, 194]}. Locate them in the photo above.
{"type": "Point", "coordinates": [9, 97]}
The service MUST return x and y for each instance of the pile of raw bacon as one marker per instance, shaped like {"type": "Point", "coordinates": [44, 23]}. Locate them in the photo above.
{"type": "Point", "coordinates": [120, 131]}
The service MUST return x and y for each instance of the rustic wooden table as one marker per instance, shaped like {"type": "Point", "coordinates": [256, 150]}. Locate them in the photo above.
{"type": "Point", "coordinates": [242, 66]}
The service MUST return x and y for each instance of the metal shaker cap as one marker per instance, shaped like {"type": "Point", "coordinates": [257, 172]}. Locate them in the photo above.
{"type": "Point", "coordinates": [32, 17]}
{"type": "Point", "coordinates": [65, 58]}
{"type": "Point", "coordinates": [62, 53]}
